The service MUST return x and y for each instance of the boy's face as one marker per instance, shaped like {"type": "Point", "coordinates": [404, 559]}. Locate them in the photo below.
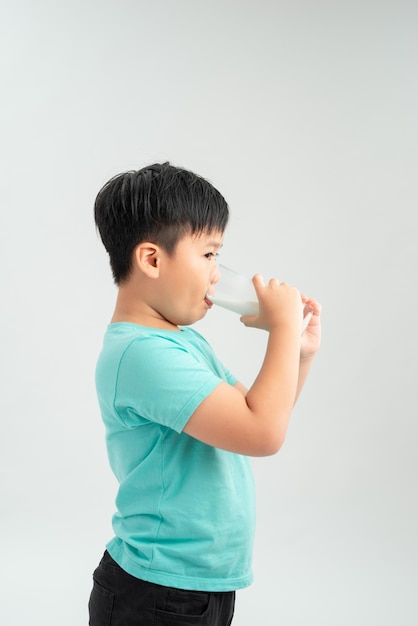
{"type": "Point", "coordinates": [187, 276]}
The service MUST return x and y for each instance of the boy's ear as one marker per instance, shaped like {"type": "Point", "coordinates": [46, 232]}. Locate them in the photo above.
{"type": "Point", "coordinates": [147, 259]}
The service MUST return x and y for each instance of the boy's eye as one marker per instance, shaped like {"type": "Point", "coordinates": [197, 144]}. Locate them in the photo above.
{"type": "Point", "coordinates": [211, 255]}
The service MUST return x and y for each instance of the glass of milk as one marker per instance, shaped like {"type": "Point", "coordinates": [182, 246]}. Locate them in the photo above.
{"type": "Point", "coordinates": [236, 293]}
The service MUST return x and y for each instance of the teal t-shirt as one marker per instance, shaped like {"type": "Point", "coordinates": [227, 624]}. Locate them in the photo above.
{"type": "Point", "coordinates": [185, 510]}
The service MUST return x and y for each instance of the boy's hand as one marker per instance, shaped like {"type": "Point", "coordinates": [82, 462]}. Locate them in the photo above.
{"type": "Point", "coordinates": [311, 338]}
{"type": "Point", "coordinates": [280, 305]}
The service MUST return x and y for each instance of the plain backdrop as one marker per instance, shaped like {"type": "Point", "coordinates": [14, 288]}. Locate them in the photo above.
{"type": "Point", "coordinates": [304, 114]}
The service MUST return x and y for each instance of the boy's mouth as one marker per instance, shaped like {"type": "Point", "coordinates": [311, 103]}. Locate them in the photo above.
{"type": "Point", "coordinates": [209, 304]}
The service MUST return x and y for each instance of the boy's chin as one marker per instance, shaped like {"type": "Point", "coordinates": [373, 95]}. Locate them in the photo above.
{"type": "Point", "coordinates": [186, 318]}
{"type": "Point", "coordinates": [189, 319]}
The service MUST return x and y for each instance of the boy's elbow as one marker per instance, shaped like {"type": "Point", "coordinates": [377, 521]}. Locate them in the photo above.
{"type": "Point", "coordinates": [269, 433]}
{"type": "Point", "coordinates": [270, 444]}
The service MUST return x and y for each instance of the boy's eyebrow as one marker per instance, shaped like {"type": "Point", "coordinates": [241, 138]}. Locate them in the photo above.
{"type": "Point", "coordinates": [216, 244]}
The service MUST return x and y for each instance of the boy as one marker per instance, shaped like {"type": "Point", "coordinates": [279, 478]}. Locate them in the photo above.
{"type": "Point", "coordinates": [179, 426]}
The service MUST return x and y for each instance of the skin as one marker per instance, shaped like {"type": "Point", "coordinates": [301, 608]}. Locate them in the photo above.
{"type": "Point", "coordinates": [166, 291]}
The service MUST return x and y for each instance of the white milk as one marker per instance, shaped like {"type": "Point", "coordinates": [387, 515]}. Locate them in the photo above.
{"type": "Point", "coordinates": [237, 306]}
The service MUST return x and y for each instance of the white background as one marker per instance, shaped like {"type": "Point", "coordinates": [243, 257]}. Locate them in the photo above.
{"type": "Point", "coordinates": [304, 115]}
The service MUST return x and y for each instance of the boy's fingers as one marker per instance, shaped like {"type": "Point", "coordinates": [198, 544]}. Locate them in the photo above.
{"type": "Point", "coordinates": [313, 305]}
{"type": "Point", "coordinates": [258, 282]}
{"type": "Point", "coordinates": [248, 320]}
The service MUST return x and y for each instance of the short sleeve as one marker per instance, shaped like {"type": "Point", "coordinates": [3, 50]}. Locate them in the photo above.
{"type": "Point", "coordinates": [161, 381]}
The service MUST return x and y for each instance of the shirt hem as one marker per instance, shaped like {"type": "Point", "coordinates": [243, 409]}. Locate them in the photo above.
{"type": "Point", "coordinates": [165, 579]}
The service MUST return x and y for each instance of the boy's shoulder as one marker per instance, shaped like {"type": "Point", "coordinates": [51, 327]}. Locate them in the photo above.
{"type": "Point", "coordinates": [129, 348]}
{"type": "Point", "coordinates": [121, 336]}
{"type": "Point", "coordinates": [129, 330]}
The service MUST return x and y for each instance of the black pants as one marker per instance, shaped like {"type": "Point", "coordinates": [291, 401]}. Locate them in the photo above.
{"type": "Point", "coordinates": [119, 599]}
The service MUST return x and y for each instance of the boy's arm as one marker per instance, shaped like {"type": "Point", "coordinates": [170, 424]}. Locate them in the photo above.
{"type": "Point", "coordinates": [255, 423]}
{"type": "Point", "coordinates": [309, 345]}
{"type": "Point", "coordinates": [241, 388]}
{"type": "Point", "coordinates": [310, 341]}
{"type": "Point", "coordinates": [304, 369]}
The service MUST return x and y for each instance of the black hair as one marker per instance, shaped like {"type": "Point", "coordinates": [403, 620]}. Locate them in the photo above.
{"type": "Point", "coordinates": [158, 203]}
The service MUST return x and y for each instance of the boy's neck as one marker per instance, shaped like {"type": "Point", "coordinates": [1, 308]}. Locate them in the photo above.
{"type": "Point", "coordinates": [131, 307]}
